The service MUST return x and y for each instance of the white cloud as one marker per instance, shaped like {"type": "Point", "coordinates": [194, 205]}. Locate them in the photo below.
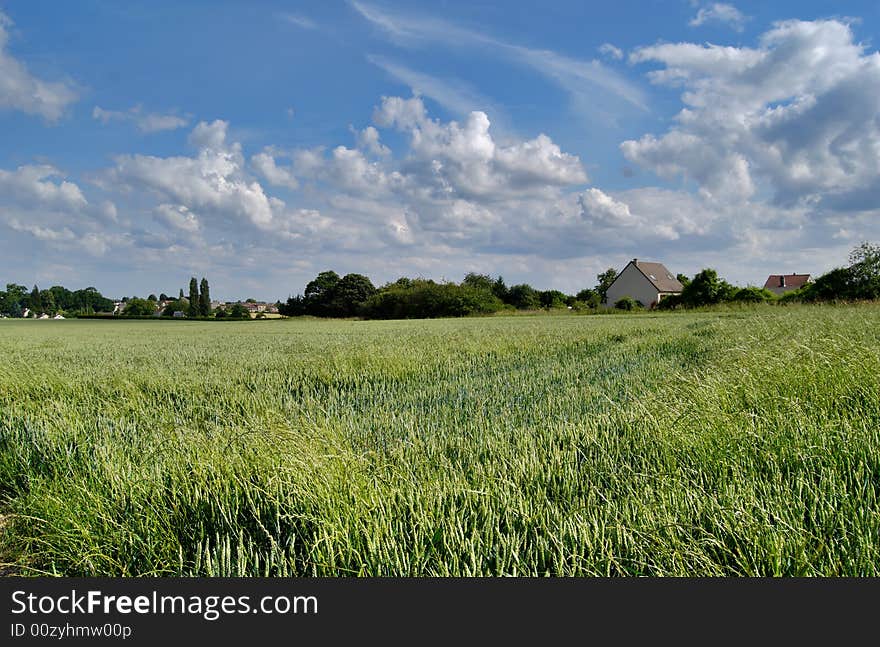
{"type": "Point", "coordinates": [368, 140]}
{"type": "Point", "coordinates": [275, 175]}
{"type": "Point", "coordinates": [796, 119]}
{"type": "Point", "coordinates": [20, 90]}
{"type": "Point", "coordinates": [213, 182]}
{"type": "Point", "coordinates": [720, 12]}
{"type": "Point", "coordinates": [607, 49]}
{"type": "Point", "coordinates": [463, 159]}
{"type": "Point", "coordinates": [177, 217]}
{"type": "Point", "coordinates": [145, 122]}
{"type": "Point", "coordinates": [30, 184]}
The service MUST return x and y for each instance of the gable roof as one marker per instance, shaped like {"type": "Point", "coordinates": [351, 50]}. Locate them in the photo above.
{"type": "Point", "coordinates": [658, 275]}
{"type": "Point", "coordinates": [792, 281]}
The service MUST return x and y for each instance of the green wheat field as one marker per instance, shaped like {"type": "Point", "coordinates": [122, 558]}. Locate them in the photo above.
{"type": "Point", "coordinates": [738, 442]}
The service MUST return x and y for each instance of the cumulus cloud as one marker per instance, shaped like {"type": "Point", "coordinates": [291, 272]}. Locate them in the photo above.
{"type": "Point", "coordinates": [213, 181]}
{"type": "Point", "coordinates": [177, 217]}
{"type": "Point", "coordinates": [265, 164]}
{"type": "Point", "coordinates": [20, 90]}
{"type": "Point", "coordinates": [33, 184]}
{"type": "Point", "coordinates": [720, 12]}
{"type": "Point", "coordinates": [368, 141]}
{"type": "Point", "coordinates": [464, 160]}
{"type": "Point", "coordinates": [796, 118]}
{"type": "Point", "coordinates": [145, 122]}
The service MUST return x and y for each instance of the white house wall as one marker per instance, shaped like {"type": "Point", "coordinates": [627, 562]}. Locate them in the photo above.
{"type": "Point", "coordinates": [632, 283]}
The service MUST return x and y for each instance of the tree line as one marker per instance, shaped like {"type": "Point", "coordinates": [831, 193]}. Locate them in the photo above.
{"type": "Point", "coordinates": [858, 281]}
{"type": "Point", "coordinates": [354, 295]}
{"type": "Point", "coordinates": [16, 299]}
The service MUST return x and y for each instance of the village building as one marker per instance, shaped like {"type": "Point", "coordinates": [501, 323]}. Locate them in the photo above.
{"type": "Point", "coordinates": [646, 282]}
{"type": "Point", "coordinates": [782, 283]}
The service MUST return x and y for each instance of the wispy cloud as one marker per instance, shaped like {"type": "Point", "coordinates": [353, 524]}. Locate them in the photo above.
{"type": "Point", "coordinates": [299, 21]}
{"type": "Point", "coordinates": [720, 12]}
{"type": "Point", "coordinates": [146, 122]}
{"type": "Point", "coordinates": [20, 90]}
{"type": "Point", "coordinates": [579, 78]}
{"type": "Point", "coordinates": [607, 49]}
{"type": "Point", "coordinates": [454, 95]}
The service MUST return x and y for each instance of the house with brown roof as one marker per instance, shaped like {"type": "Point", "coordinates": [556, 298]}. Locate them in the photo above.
{"type": "Point", "coordinates": [782, 283]}
{"type": "Point", "coordinates": [646, 282]}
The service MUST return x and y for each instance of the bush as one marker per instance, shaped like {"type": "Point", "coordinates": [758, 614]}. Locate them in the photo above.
{"type": "Point", "coordinates": [752, 294]}
{"type": "Point", "coordinates": [421, 299]}
{"type": "Point", "coordinates": [628, 303]}
{"type": "Point", "coordinates": [671, 302]}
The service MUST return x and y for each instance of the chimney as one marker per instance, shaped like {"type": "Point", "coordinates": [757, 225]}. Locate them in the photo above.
{"type": "Point", "coordinates": [635, 260]}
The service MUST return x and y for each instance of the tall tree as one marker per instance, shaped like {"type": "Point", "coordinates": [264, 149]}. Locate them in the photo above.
{"type": "Point", "coordinates": [193, 298]}
{"type": "Point", "coordinates": [319, 293]}
{"type": "Point", "coordinates": [180, 296]}
{"type": "Point", "coordinates": [864, 270]}
{"type": "Point", "coordinates": [36, 301]}
{"type": "Point", "coordinates": [499, 289]}
{"type": "Point", "coordinates": [49, 305]}
{"type": "Point", "coordinates": [204, 299]}
{"type": "Point", "coordinates": [605, 279]}
{"type": "Point", "coordinates": [349, 294]}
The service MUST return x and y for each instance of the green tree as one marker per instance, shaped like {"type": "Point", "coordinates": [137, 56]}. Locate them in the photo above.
{"type": "Point", "coordinates": [89, 301]}
{"type": "Point", "coordinates": [319, 294]}
{"type": "Point", "coordinates": [590, 298]}
{"type": "Point", "coordinates": [35, 301]}
{"type": "Point", "coordinates": [181, 305]}
{"type": "Point", "coordinates": [864, 270]}
{"type": "Point", "coordinates": [139, 308]}
{"type": "Point", "coordinates": [14, 299]}
{"type": "Point", "coordinates": [295, 307]}
{"type": "Point", "coordinates": [204, 299]}
{"type": "Point", "coordinates": [238, 311]}
{"type": "Point", "coordinates": [552, 299]}
{"type": "Point", "coordinates": [193, 309]}
{"type": "Point", "coordinates": [152, 297]}
{"type": "Point", "coordinates": [605, 279]}
{"type": "Point", "coordinates": [682, 278]}
{"type": "Point", "coordinates": [349, 295]}
{"type": "Point", "coordinates": [499, 289]}
{"type": "Point", "coordinates": [524, 297]}
{"type": "Point", "coordinates": [707, 289]}
{"type": "Point", "coordinates": [48, 299]}
{"type": "Point", "coordinates": [478, 281]}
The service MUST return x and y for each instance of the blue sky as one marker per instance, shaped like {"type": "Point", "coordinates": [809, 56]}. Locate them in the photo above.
{"type": "Point", "coordinates": [260, 143]}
